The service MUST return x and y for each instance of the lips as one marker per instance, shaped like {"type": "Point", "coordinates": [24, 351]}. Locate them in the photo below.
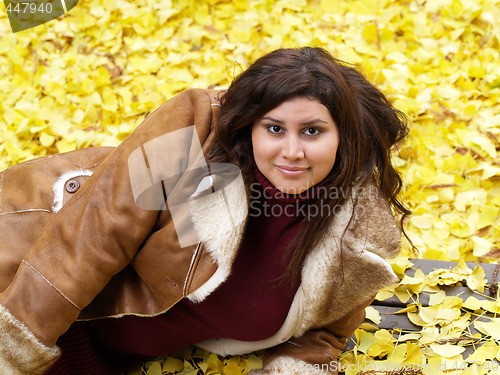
{"type": "Point", "coordinates": [288, 170]}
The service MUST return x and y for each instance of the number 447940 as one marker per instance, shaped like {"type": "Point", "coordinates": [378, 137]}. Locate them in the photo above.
{"type": "Point", "coordinates": [30, 7]}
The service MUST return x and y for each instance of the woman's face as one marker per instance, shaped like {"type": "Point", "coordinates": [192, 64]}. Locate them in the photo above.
{"type": "Point", "coordinates": [295, 144]}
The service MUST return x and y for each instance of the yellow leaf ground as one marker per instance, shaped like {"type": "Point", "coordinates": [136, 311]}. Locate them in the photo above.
{"type": "Point", "coordinates": [91, 76]}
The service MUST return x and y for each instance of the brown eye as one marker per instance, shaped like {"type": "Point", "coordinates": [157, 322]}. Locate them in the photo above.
{"type": "Point", "coordinates": [275, 129]}
{"type": "Point", "coordinates": [312, 131]}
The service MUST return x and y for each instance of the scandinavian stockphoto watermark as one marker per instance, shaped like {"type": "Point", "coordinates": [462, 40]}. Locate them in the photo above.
{"type": "Point", "coordinates": [263, 204]}
{"type": "Point", "coordinates": [25, 14]}
{"type": "Point", "coordinates": [387, 367]}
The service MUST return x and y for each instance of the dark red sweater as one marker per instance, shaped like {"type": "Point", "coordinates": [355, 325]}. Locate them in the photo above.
{"type": "Point", "coordinates": [250, 305]}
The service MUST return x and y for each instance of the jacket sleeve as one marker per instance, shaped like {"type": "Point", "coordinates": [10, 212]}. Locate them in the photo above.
{"type": "Point", "coordinates": [315, 352]}
{"type": "Point", "coordinates": [92, 238]}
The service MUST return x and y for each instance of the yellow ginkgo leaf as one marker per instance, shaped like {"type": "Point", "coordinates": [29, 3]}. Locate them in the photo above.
{"type": "Point", "coordinates": [383, 345]}
{"type": "Point", "coordinates": [172, 365]}
{"type": "Point", "coordinates": [436, 298]}
{"type": "Point", "coordinates": [476, 280]}
{"type": "Point", "coordinates": [491, 328]}
{"type": "Point", "coordinates": [429, 314]}
{"type": "Point", "coordinates": [490, 306]}
{"type": "Point", "coordinates": [64, 146]}
{"type": "Point", "coordinates": [253, 362]}
{"type": "Point", "coordinates": [429, 335]}
{"type": "Point", "coordinates": [472, 303]}
{"type": "Point", "coordinates": [485, 144]}
{"type": "Point", "coordinates": [373, 315]}
{"type": "Point", "coordinates": [365, 340]}
{"type": "Point", "coordinates": [154, 369]}
{"type": "Point", "coordinates": [487, 351]}
{"type": "Point", "coordinates": [413, 354]}
{"type": "Point", "coordinates": [482, 246]}
{"type": "Point", "coordinates": [447, 350]}
{"type": "Point", "coordinates": [46, 139]}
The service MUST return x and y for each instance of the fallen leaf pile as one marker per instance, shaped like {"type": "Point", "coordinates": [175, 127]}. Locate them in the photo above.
{"type": "Point", "coordinates": [194, 361]}
{"type": "Point", "coordinates": [448, 325]}
{"type": "Point", "coordinates": [89, 77]}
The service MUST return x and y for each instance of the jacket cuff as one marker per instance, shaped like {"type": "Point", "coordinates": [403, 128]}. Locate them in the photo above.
{"type": "Point", "coordinates": [287, 365]}
{"type": "Point", "coordinates": [22, 353]}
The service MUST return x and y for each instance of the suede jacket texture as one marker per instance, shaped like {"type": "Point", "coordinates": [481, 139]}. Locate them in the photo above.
{"type": "Point", "coordinates": [82, 239]}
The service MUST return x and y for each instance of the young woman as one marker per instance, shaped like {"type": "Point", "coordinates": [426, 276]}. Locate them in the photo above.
{"type": "Point", "coordinates": [274, 239]}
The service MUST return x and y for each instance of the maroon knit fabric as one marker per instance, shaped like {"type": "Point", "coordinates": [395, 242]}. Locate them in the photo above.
{"type": "Point", "coordinates": [250, 305]}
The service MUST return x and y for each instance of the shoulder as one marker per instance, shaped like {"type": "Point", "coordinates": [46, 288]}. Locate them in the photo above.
{"type": "Point", "coordinates": [373, 223]}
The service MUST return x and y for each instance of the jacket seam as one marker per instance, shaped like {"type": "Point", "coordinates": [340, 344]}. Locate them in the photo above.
{"type": "Point", "coordinates": [58, 156]}
{"type": "Point", "coordinates": [52, 285]}
{"type": "Point", "coordinates": [24, 211]}
{"type": "Point", "coordinates": [189, 277]}
{"type": "Point", "coordinates": [80, 165]}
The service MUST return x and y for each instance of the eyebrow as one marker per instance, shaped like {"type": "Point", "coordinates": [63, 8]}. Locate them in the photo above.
{"type": "Point", "coordinates": [310, 122]}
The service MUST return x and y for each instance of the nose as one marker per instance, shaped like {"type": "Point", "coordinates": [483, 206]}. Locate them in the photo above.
{"type": "Point", "coordinates": [292, 148]}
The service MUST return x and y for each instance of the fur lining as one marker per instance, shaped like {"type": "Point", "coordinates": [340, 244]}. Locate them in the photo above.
{"type": "Point", "coordinates": [58, 187]}
{"type": "Point", "coordinates": [287, 365]}
{"type": "Point", "coordinates": [22, 353]}
{"type": "Point", "coordinates": [219, 219]}
{"type": "Point", "coordinates": [346, 269]}
{"type": "Point", "coordinates": [202, 292]}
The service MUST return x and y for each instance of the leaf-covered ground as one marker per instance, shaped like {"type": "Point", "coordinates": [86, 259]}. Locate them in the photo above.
{"type": "Point", "coordinates": [89, 77]}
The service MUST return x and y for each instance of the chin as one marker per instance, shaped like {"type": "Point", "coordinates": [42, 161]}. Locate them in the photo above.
{"type": "Point", "coordinates": [292, 190]}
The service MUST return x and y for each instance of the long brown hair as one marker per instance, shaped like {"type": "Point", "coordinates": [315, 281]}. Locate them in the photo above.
{"type": "Point", "coordinates": [368, 126]}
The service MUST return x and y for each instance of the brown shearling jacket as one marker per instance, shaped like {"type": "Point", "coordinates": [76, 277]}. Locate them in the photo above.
{"type": "Point", "coordinates": [77, 245]}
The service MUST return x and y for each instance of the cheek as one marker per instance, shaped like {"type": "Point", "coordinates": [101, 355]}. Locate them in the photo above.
{"type": "Point", "coordinates": [263, 147]}
{"type": "Point", "coordinates": [256, 145]}
{"type": "Point", "coordinates": [324, 156]}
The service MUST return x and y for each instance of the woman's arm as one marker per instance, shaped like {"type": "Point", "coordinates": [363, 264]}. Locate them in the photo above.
{"type": "Point", "coordinates": [92, 238]}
